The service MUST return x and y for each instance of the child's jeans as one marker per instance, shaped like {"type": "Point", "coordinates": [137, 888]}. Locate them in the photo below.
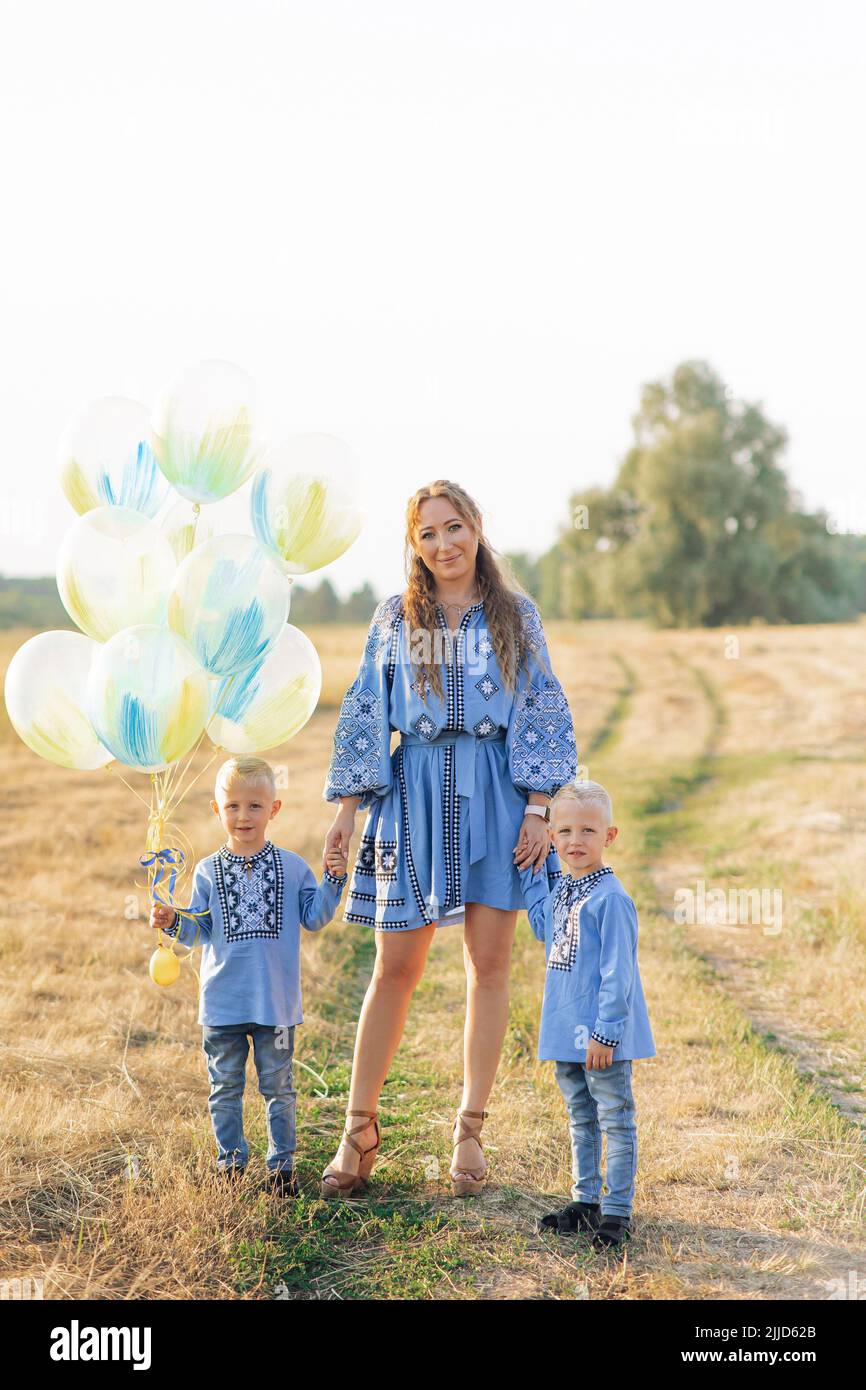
{"type": "Point", "coordinates": [601, 1102]}
{"type": "Point", "coordinates": [227, 1049]}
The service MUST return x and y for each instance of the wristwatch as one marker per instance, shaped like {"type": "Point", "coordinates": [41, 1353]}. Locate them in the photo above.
{"type": "Point", "coordinates": [543, 811]}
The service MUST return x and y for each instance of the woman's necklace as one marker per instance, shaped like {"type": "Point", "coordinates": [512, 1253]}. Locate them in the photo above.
{"type": "Point", "coordinates": [452, 625]}
{"type": "Point", "coordinates": [459, 608]}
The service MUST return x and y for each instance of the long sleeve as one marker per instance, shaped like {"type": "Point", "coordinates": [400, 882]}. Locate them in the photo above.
{"type": "Point", "coordinates": [317, 903]}
{"type": "Point", "coordinates": [617, 926]}
{"type": "Point", "coordinates": [536, 894]}
{"type": "Point", "coordinates": [540, 739]}
{"type": "Point", "coordinates": [192, 931]}
{"type": "Point", "coordinates": [361, 757]}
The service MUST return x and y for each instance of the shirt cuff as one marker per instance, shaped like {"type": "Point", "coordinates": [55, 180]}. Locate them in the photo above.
{"type": "Point", "coordinates": [332, 878]}
{"type": "Point", "coordinates": [174, 929]}
{"type": "Point", "coordinates": [608, 1034]}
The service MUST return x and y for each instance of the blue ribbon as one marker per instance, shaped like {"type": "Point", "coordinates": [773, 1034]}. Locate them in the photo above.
{"type": "Point", "coordinates": [172, 857]}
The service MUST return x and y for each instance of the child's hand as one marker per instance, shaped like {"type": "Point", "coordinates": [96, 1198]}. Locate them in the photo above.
{"type": "Point", "coordinates": [598, 1057]}
{"type": "Point", "coordinates": [161, 917]}
{"type": "Point", "coordinates": [335, 863]}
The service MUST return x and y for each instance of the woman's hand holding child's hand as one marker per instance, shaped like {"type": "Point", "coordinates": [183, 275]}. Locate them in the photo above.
{"type": "Point", "coordinates": [533, 845]}
{"type": "Point", "coordinates": [335, 863]}
{"type": "Point", "coordinates": [335, 856]}
{"type": "Point", "coordinates": [161, 917]}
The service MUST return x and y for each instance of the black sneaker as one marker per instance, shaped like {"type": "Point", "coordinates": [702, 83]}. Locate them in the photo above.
{"type": "Point", "coordinates": [613, 1232]}
{"type": "Point", "coordinates": [282, 1183]}
{"type": "Point", "coordinates": [577, 1216]}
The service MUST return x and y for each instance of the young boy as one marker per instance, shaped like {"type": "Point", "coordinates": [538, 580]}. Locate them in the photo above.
{"type": "Point", "coordinates": [254, 898]}
{"type": "Point", "coordinates": [594, 1019]}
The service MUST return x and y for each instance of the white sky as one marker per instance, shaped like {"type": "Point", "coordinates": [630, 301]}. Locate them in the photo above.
{"type": "Point", "coordinates": [459, 234]}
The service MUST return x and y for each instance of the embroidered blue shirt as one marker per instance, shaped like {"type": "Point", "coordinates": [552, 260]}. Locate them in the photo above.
{"type": "Point", "coordinates": [250, 933]}
{"type": "Point", "coordinates": [593, 986]}
{"type": "Point", "coordinates": [386, 694]}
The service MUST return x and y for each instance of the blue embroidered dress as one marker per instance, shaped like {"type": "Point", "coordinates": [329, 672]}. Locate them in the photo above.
{"type": "Point", "coordinates": [444, 810]}
{"type": "Point", "coordinates": [250, 933]}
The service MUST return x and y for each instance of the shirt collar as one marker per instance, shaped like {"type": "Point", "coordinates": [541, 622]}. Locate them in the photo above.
{"type": "Point", "coordinates": [587, 882]}
{"type": "Point", "coordinates": [226, 854]}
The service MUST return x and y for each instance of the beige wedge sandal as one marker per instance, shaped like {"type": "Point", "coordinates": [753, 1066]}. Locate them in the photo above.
{"type": "Point", "coordinates": [473, 1185]}
{"type": "Point", "coordinates": [343, 1184]}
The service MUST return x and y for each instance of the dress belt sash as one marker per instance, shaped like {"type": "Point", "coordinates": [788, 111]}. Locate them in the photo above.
{"type": "Point", "coordinates": [466, 749]}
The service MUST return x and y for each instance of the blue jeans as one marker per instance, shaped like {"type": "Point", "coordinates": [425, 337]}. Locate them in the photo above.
{"type": "Point", "coordinates": [227, 1049]}
{"type": "Point", "coordinates": [601, 1102]}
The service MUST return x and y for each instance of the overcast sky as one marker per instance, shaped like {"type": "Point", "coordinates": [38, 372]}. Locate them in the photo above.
{"type": "Point", "coordinates": [459, 234]}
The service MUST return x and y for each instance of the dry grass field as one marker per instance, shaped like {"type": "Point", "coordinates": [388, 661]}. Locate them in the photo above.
{"type": "Point", "coordinates": [735, 760]}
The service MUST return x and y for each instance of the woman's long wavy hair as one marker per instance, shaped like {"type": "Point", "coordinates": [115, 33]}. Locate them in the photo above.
{"type": "Point", "coordinates": [497, 587]}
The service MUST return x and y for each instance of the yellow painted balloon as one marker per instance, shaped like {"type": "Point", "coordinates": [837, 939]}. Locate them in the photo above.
{"type": "Point", "coordinates": [114, 569]}
{"type": "Point", "coordinates": [304, 502]}
{"type": "Point", "coordinates": [46, 691]}
{"type": "Point", "coordinates": [106, 459]}
{"type": "Point", "coordinates": [164, 966]}
{"type": "Point", "coordinates": [270, 701]}
{"type": "Point", "coordinates": [206, 433]}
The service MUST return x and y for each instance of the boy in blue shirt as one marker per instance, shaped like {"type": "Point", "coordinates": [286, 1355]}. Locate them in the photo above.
{"type": "Point", "coordinates": [594, 1020]}
{"type": "Point", "coordinates": [253, 897]}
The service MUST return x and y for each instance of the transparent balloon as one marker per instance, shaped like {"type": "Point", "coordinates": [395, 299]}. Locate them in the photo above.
{"type": "Point", "coordinates": [206, 431]}
{"type": "Point", "coordinates": [147, 697]}
{"type": "Point", "coordinates": [184, 529]}
{"type": "Point", "coordinates": [304, 502]}
{"type": "Point", "coordinates": [229, 602]}
{"type": "Point", "coordinates": [45, 691]}
{"type": "Point", "coordinates": [269, 702]}
{"type": "Point", "coordinates": [106, 458]}
{"type": "Point", "coordinates": [114, 569]}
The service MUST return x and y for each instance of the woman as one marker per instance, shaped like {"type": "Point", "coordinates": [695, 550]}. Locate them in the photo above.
{"type": "Point", "coordinates": [458, 664]}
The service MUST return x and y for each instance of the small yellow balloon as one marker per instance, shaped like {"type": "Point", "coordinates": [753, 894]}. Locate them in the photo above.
{"type": "Point", "coordinates": [164, 966]}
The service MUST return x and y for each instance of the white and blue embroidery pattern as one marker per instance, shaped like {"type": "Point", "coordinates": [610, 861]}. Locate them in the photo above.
{"type": "Point", "coordinates": [455, 697]}
{"type": "Point", "coordinates": [251, 901]}
{"type": "Point", "coordinates": [570, 894]}
{"type": "Point", "coordinates": [382, 626]}
{"type": "Point", "coordinates": [376, 860]}
{"type": "Point", "coordinates": [532, 633]}
{"type": "Point", "coordinates": [357, 749]}
{"type": "Point", "coordinates": [358, 739]}
{"type": "Point", "coordinates": [543, 740]}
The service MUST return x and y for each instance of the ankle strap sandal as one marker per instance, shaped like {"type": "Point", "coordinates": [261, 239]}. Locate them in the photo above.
{"type": "Point", "coordinates": [468, 1182]}
{"type": "Point", "coordinates": [337, 1182]}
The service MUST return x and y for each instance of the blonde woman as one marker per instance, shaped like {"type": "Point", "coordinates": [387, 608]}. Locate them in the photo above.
{"type": "Point", "coordinates": [457, 664]}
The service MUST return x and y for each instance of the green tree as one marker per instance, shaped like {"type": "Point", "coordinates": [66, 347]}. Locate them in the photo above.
{"type": "Point", "coordinates": [360, 605]}
{"type": "Point", "coordinates": [700, 526]}
{"type": "Point", "coordinates": [706, 487]}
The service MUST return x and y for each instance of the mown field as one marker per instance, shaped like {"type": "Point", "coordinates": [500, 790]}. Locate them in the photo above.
{"type": "Point", "coordinates": [735, 760]}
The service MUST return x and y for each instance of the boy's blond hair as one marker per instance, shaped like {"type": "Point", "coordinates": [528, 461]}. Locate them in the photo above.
{"type": "Point", "coordinates": [588, 794]}
{"type": "Point", "coordinates": [252, 770]}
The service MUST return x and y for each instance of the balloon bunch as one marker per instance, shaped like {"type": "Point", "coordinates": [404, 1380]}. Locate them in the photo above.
{"type": "Point", "coordinates": [183, 632]}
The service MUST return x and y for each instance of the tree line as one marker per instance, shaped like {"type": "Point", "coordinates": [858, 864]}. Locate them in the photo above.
{"type": "Point", "coordinates": [36, 603]}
